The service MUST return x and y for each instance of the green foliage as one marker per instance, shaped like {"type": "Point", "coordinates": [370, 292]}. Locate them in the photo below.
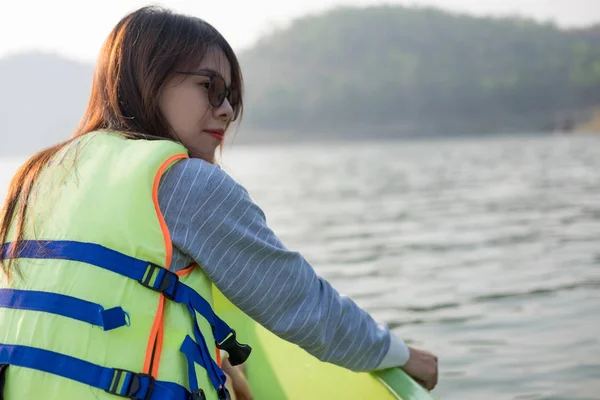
{"type": "Point", "coordinates": [393, 65]}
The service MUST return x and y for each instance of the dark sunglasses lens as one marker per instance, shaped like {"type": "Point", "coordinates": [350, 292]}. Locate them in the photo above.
{"type": "Point", "coordinates": [218, 91]}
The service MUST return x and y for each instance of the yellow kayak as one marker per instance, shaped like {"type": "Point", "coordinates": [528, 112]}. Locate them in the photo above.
{"type": "Point", "coordinates": [279, 370]}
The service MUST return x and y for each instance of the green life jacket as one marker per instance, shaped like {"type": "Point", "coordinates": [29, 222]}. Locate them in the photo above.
{"type": "Point", "coordinates": [95, 313]}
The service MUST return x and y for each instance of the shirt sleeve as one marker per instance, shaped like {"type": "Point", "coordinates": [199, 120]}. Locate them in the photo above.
{"type": "Point", "coordinates": [213, 219]}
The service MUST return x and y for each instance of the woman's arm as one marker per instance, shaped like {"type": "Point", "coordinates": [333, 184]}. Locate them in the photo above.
{"type": "Point", "coordinates": [213, 219]}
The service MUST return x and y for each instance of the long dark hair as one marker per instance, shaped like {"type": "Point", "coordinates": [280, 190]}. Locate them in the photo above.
{"type": "Point", "coordinates": [141, 53]}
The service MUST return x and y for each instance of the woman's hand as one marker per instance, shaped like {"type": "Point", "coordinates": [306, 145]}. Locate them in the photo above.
{"type": "Point", "coordinates": [237, 384]}
{"type": "Point", "coordinates": [422, 366]}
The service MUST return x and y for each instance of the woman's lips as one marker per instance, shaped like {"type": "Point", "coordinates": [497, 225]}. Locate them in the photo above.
{"type": "Point", "coordinates": [218, 134]}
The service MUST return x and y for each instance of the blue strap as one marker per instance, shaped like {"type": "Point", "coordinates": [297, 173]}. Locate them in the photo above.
{"type": "Point", "coordinates": [89, 253]}
{"type": "Point", "coordinates": [148, 274]}
{"type": "Point", "coordinates": [67, 306]}
{"type": "Point", "coordinates": [186, 295]}
{"type": "Point", "coordinates": [200, 354]}
{"type": "Point", "coordinates": [194, 354]}
{"type": "Point", "coordinates": [188, 347]}
{"type": "Point", "coordinates": [114, 381]}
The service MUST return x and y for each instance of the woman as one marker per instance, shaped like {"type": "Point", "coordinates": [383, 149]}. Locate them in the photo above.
{"type": "Point", "coordinates": [112, 240]}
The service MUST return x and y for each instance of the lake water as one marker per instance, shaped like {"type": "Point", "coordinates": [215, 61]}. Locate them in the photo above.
{"type": "Point", "coordinates": [484, 251]}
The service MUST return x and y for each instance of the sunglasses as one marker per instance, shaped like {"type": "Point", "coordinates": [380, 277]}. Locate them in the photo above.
{"type": "Point", "coordinates": [218, 91]}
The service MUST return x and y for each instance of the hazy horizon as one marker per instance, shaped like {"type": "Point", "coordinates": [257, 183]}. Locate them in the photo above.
{"type": "Point", "coordinates": [51, 27]}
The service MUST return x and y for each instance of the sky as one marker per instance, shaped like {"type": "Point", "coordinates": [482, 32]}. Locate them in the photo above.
{"type": "Point", "coordinates": [77, 28]}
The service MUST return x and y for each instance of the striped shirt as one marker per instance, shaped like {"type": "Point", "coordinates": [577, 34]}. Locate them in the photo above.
{"type": "Point", "coordinates": [214, 222]}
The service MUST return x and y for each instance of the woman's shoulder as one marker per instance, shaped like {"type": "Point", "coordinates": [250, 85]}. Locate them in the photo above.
{"type": "Point", "coordinates": [197, 178]}
{"type": "Point", "coordinates": [194, 194]}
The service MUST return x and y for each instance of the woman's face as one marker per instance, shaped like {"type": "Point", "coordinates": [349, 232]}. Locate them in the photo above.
{"type": "Point", "coordinates": [184, 102]}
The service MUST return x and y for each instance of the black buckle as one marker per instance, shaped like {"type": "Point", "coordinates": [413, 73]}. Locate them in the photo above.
{"type": "Point", "coordinates": [224, 393]}
{"type": "Point", "coordinates": [238, 353]}
{"type": "Point", "coordinates": [198, 394]}
{"type": "Point", "coordinates": [134, 385]}
{"type": "Point", "coordinates": [167, 280]}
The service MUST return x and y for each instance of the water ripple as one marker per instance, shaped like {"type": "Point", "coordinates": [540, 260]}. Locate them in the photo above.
{"type": "Point", "coordinates": [484, 250]}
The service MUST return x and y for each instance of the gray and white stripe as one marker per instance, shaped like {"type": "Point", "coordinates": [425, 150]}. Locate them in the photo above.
{"type": "Point", "coordinates": [214, 222]}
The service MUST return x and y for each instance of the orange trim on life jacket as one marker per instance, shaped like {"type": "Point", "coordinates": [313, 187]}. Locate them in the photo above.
{"type": "Point", "coordinates": [155, 341]}
{"type": "Point", "coordinates": [185, 271]}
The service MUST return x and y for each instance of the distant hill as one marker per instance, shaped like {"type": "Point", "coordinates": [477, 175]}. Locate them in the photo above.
{"type": "Point", "coordinates": [421, 71]}
{"type": "Point", "coordinates": [358, 72]}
